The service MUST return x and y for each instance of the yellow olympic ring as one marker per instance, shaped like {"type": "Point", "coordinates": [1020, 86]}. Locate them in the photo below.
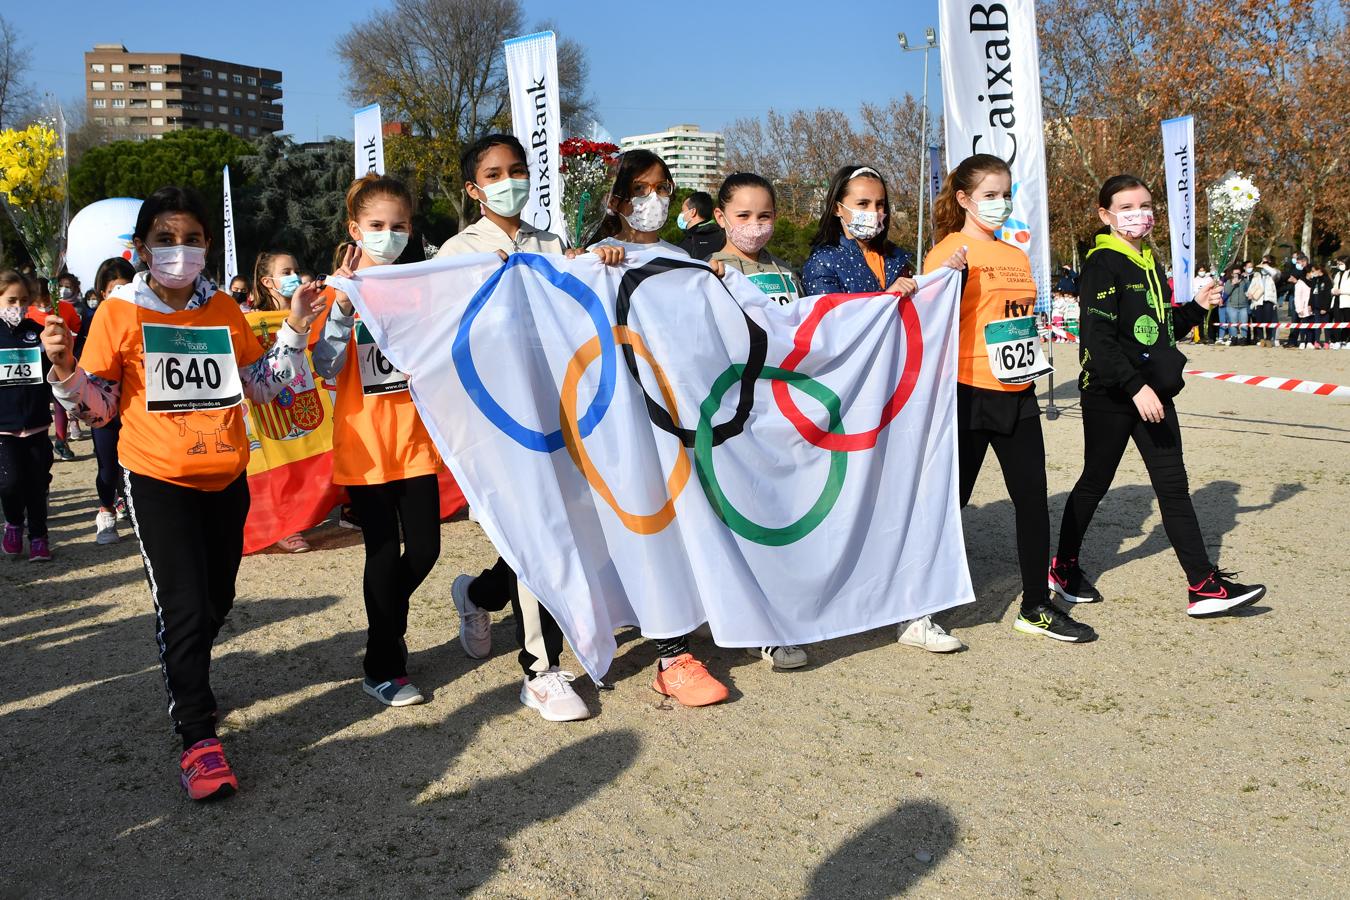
{"type": "Point", "coordinates": [679, 476]}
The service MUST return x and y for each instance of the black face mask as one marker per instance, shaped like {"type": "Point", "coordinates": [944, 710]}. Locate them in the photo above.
{"type": "Point", "coordinates": [239, 296]}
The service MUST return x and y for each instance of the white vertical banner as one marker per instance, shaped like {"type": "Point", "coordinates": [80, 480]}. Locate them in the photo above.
{"type": "Point", "coordinates": [1178, 137]}
{"type": "Point", "coordinates": [231, 254]}
{"type": "Point", "coordinates": [991, 94]}
{"type": "Point", "coordinates": [532, 67]}
{"type": "Point", "coordinates": [369, 132]}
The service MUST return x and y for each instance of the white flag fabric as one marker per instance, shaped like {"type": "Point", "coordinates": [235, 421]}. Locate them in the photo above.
{"type": "Point", "coordinates": [368, 127]}
{"type": "Point", "coordinates": [532, 69]}
{"type": "Point", "coordinates": [231, 254]}
{"type": "Point", "coordinates": [1178, 137]}
{"type": "Point", "coordinates": [649, 445]}
{"type": "Point", "coordinates": [991, 103]}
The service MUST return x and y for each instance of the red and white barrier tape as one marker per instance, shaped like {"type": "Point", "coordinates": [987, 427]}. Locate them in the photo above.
{"type": "Point", "coordinates": [1294, 385]}
{"type": "Point", "coordinates": [1286, 326]}
{"type": "Point", "coordinates": [1066, 336]}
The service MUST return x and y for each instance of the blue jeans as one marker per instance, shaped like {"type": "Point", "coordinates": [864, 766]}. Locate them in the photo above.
{"type": "Point", "coordinates": [1235, 321]}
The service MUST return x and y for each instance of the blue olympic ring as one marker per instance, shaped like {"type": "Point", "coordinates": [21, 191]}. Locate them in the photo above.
{"type": "Point", "coordinates": [529, 438]}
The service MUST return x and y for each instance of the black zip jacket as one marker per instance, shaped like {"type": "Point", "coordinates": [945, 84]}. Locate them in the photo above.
{"type": "Point", "coordinates": [30, 405]}
{"type": "Point", "coordinates": [704, 239]}
{"type": "Point", "coordinates": [1129, 329]}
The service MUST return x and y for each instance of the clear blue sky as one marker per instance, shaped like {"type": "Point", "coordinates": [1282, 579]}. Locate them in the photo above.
{"type": "Point", "coordinates": [652, 64]}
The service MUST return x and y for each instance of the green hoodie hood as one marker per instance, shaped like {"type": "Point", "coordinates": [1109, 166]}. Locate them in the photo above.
{"type": "Point", "coordinates": [1144, 260]}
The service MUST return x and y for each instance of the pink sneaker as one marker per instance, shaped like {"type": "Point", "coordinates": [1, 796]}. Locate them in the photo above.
{"type": "Point", "coordinates": [38, 550]}
{"type": "Point", "coordinates": [13, 542]}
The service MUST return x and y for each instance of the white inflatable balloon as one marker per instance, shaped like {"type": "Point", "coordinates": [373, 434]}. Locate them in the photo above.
{"type": "Point", "coordinates": [97, 232]}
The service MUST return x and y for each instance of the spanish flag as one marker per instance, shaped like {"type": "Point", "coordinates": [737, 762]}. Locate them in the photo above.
{"type": "Point", "coordinates": [290, 468]}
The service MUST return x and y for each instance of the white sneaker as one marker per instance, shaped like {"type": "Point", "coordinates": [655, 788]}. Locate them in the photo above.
{"type": "Point", "coordinates": [105, 528]}
{"type": "Point", "coordinates": [791, 657]}
{"type": "Point", "coordinates": [475, 625]}
{"type": "Point", "coordinates": [927, 635]}
{"type": "Point", "coordinates": [550, 694]}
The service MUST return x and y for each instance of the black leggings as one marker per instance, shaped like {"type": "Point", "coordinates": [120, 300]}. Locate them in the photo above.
{"type": "Point", "coordinates": [1020, 448]}
{"type": "Point", "coordinates": [1105, 434]}
{"type": "Point", "coordinates": [108, 482]}
{"type": "Point", "coordinates": [25, 477]}
{"type": "Point", "coordinates": [392, 572]}
{"type": "Point", "coordinates": [191, 544]}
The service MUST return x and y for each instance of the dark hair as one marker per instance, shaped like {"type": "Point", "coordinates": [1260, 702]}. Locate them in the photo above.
{"type": "Point", "coordinates": [372, 185]}
{"type": "Point", "coordinates": [632, 163]}
{"type": "Point", "coordinates": [1114, 185]}
{"type": "Point", "coordinates": [701, 203]}
{"type": "Point", "coordinates": [114, 267]}
{"type": "Point", "coordinates": [172, 199]}
{"type": "Point", "coordinates": [469, 159]}
{"type": "Point", "coordinates": [948, 216]}
{"type": "Point", "coordinates": [733, 183]}
{"type": "Point", "coordinates": [68, 275]}
{"type": "Point", "coordinates": [831, 228]}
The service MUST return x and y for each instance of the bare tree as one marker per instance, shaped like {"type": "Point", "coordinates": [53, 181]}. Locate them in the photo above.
{"type": "Point", "coordinates": [15, 93]}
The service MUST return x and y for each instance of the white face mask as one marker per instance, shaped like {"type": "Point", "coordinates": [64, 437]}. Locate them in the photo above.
{"type": "Point", "coordinates": [11, 315]}
{"type": "Point", "coordinates": [177, 266]}
{"type": "Point", "coordinates": [506, 197]}
{"type": "Point", "coordinates": [383, 246]}
{"type": "Point", "coordinates": [649, 212]}
{"type": "Point", "coordinates": [65, 293]}
{"type": "Point", "coordinates": [865, 224]}
{"type": "Point", "coordinates": [993, 213]}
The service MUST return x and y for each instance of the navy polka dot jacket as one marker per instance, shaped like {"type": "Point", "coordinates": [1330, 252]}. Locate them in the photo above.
{"type": "Point", "coordinates": [842, 269]}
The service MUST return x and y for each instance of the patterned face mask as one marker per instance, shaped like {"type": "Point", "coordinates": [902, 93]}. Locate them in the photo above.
{"type": "Point", "coordinates": [649, 213]}
{"type": "Point", "coordinates": [11, 315]}
{"type": "Point", "coordinates": [750, 237]}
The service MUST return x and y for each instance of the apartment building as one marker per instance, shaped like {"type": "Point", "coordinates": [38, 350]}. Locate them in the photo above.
{"type": "Point", "coordinates": [695, 157]}
{"type": "Point", "coordinates": [141, 96]}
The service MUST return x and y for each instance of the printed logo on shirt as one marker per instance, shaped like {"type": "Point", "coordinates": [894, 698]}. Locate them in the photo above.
{"type": "Point", "coordinates": [1015, 310]}
{"type": "Point", "coordinates": [30, 337]}
{"type": "Point", "coordinates": [1146, 330]}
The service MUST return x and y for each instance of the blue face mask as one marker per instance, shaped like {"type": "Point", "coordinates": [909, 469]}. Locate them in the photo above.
{"type": "Point", "coordinates": [288, 285]}
{"type": "Point", "coordinates": [679, 220]}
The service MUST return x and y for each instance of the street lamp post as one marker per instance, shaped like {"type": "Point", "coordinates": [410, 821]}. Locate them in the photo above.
{"type": "Point", "coordinates": [930, 38]}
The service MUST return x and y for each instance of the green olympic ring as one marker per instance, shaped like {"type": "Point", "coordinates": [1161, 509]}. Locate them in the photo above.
{"type": "Point", "coordinates": [707, 476]}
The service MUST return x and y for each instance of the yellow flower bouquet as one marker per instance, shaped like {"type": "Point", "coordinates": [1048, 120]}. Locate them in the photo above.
{"type": "Point", "coordinates": [33, 190]}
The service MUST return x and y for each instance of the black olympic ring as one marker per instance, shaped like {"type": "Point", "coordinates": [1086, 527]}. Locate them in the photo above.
{"type": "Point", "coordinates": [754, 365]}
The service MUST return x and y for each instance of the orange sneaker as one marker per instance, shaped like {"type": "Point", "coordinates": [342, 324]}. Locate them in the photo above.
{"type": "Point", "coordinates": [687, 680]}
{"type": "Point", "coordinates": [205, 773]}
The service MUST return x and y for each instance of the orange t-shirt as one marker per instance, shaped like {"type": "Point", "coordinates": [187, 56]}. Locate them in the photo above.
{"type": "Point", "coordinates": [162, 437]}
{"type": "Point", "coordinates": [998, 286]}
{"type": "Point", "coordinates": [877, 263]}
{"type": "Point", "coordinates": [64, 308]}
{"type": "Point", "coordinates": [378, 436]}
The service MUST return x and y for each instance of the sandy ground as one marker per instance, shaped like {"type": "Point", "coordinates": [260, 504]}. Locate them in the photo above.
{"type": "Point", "coordinates": [1172, 757]}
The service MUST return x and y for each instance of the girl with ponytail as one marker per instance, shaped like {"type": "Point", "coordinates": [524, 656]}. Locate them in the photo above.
{"type": "Point", "coordinates": [998, 362]}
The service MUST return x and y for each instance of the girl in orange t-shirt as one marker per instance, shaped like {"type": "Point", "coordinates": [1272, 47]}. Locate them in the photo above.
{"type": "Point", "coordinates": [999, 360]}
{"type": "Point", "coordinates": [381, 450]}
{"type": "Point", "coordinates": [173, 357]}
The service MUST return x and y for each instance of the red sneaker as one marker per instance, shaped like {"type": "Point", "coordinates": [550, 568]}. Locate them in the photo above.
{"type": "Point", "coordinates": [205, 773]}
{"type": "Point", "coordinates": [688, 681]}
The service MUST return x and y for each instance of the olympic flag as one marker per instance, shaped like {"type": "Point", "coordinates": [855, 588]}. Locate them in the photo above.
{"type": "Point", "coordinates": [647, 444]}
{"type": "Point", "coordinates": [991, 103]}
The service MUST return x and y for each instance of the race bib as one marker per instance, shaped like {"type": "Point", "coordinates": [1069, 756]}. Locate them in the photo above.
{"type": "Point", "coordinates": [778, 285]}
{"type": "Point", "coordinates": [1014, 346]}
{"type": "Point", "coordinates": [190, 367]}
{"type": "Point", "coordinates": [20, 366]}
{"type": "Point", "coordinates": [378, 376]}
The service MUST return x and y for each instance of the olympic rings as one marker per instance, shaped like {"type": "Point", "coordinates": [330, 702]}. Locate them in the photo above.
{"type": "Point", "coordinates": [462, 353]}
{"type": "Point", "coordinates": [679, 476]}
{"type": "Point", "coordinates": [707, 476]}
{"type": "Point", "coordinates": [759, 350]}
{"type": "Point", "coordinates": [862, 440]}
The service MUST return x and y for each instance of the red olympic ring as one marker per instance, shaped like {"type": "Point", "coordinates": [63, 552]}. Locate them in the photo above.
{"type": "Point", "coordinates": [862, 440]}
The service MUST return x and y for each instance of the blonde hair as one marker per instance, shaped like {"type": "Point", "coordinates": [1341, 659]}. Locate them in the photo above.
{"type": "Point", "coordinates": [366, 189]}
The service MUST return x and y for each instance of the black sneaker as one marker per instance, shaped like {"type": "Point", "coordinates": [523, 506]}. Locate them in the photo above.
{"type": "Point", "coordinates": [1219, 593]}
{"type": "Point", "coordinates": [62, 450]}
{"type": "Point", "coordinates": [1052, 622]}
{"type": "Point", "coordinates": [1070, 584]}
